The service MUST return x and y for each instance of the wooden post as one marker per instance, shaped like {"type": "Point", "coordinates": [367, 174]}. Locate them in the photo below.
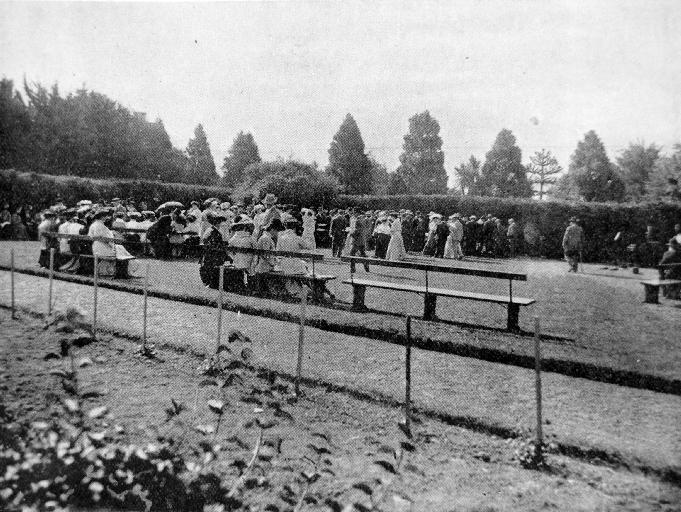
{"type": "Point", "coordinates": [11, 278]}
{"type": "Point", "coordinates": [94, 300]}
{"type": "Point", "coordinates": [49, 294]}
{"type": "Point", "coordinates": [221, 282]}
{"type": "Point", "coordinates": [407, 369]}
{"type": "Point", "coordinates": [144, 308]}
{"type": "Point", "coordinates": [537, 380]}
{"type": "Point", "coordinates": [301, 337]}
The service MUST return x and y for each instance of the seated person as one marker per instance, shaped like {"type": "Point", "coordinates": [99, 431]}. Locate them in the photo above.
{"type": "Point", "coordinates": [671, 256]}
{"type": "Point", "coordinates": [158, 236]}
{"type": "Point", "coordinates": [46, 231]}
{"type": "Point", "coordinates": [108, 248]}
{"type": "Point", "coordinates": [265, 263]}
{"type": "Point", "coordinates": [288, 240]}
{"type": "Point", "coordinates": [242, 263]}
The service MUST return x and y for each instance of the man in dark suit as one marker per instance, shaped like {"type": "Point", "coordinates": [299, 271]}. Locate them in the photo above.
{"type": "Point", "coordinates": [338, 233]}
{"type": "Point", "coordinates": [358, 238]}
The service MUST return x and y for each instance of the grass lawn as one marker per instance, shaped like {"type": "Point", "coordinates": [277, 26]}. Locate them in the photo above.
{"type": "Point", "coordinates": [598, 316]}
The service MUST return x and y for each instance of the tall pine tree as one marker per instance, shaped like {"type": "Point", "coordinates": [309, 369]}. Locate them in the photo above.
{"type": "Point", "coordinates": [200, 163]}
{"type": "Point", "coordinates": [503, 174]}
{"type": "Point", "coordinates": [593, 173]}
{"type": "Point", "coordinates": [347, 161]}
{"type": "Point", "coordinates": [422, 162]}
{"type": "Point", "coordinates": [243, 153]}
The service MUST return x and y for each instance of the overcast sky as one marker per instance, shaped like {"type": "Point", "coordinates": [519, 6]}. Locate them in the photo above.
{"type": "Point", "coordinates": [289, 71]}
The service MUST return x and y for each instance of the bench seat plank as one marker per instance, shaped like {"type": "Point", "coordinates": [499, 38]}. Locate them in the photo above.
{"type": "Point", "coordinates": [484, 297]}
{"type": "Point", "coordinates": [652, 289]}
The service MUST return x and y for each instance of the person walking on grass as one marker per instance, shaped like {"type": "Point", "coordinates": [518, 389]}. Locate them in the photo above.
{"type": "Point", "coordinates": [573, 243]}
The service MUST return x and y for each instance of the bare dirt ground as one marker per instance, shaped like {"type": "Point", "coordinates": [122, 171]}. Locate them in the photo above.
{"type": "Point", "coordinates": [598, 313]}
{"type": "Point", "coordinates": [450, 469]}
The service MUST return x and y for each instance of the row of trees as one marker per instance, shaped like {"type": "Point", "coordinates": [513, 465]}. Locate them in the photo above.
{"type": "Point", "coordinates": [88, 134]}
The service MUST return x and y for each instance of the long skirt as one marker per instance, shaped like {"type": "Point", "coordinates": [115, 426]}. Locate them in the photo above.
{"type": "Point", "coordinates": [396, 249]}
{"type": "Point", "coordinates": [431, 245]}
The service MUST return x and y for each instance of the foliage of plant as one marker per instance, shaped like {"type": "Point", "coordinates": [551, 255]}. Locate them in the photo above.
{"type": "Point", "coordinates": [595, 177]}
{"type": "Point", "coordinates": [468, 175]}
{"type": "Point", "coordinates": [543, 170]}
{"type": "Point", "coordinates": [348, 162]}
{"type": "Point", "coordinates": [422, 160]}
{"type": "Point", "coordinates": [601, 221]}
{"type": "Point", "coordinates": [42, 190]}
{"type": "Point", "coordinates": [85, 134]}
{"type": "Point", "coordinates": [200, 163]}
{"type": "Point", "coordinates": [503, 174]}
{"type": "Point", "coordinates": [291, 181]}
{"type": "Point", "coordinates": [242, 153]}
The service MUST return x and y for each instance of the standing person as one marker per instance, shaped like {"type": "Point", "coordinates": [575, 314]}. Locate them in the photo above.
{"type": "Point", "coordinates": [214, 254]}
{"type": "Point", "coordinates": [396, 249]}
{"type": "Point", "coordinates": [513, 233]}
{"type": "Point", "coordinates": [309, 224]}
{"type": "Point", "coordinates": [338, 233]}
{"type": "Point", "coordinates": [573, 243]}
{"type": "Point", "coordinates": [271, 210]}
{"type": "Point", "coordinates": [238, 277]}
{"type": "Point", "coordinates": [408, 230]}
{"type": "Point", "coordinates": [431, 241]}
{"type": "Point", "coordinates": [357, 241]}
{"type": "Point", "coordinates": [441, 234]}
{"type": "Point", "coordinates": [469, 236]}
{"type": "Point", "coordinates": [453, 246]}
{"type": "Point", "coordinates": [420, 231]}
{"type": "Point", "coordinates": [381, 236]}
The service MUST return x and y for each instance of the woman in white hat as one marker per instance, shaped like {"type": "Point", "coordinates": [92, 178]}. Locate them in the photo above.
{"type": "Point", "coordinates": [396, 249]}
{"type": "Point", "coordinates": [309, 224]}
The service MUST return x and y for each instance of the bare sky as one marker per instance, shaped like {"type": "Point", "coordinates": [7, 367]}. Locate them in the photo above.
{"type": "Point", "coordinates": [289, 71]}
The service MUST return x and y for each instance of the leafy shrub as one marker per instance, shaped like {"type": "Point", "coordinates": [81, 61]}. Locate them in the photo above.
{"type": "Point", "coordinates": [601, 221]}
{"type": "Point", "coordinates": [42, 190]}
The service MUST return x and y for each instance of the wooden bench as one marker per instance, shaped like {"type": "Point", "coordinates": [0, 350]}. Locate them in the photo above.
{"type": "Point", "coordinates": [652, 289]}
{"type": "Point", "coordinates": [120, 266]}
{"type": "Point", "coordinates": [315, 282]}
{"type": "Point", "coordinates": [430, 293]}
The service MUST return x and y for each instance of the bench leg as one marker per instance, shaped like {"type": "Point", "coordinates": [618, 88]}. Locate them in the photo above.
{"type": "Point", "coordinates": [317, 289]}
{"type": "Point", "coordinates": [513, 314]}
{"type": "Point", "coordinates": [429, 303]}
{"type": "Point", "coordinates": [358, 297]}
{"type": "Point", "coordinates": [652, 294]}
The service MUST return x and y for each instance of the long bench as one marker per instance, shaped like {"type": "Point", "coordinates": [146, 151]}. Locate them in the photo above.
{"type": "Point", "coordinates": [430, 293]}
{"type": "Point", "coordinates": [120, 266]}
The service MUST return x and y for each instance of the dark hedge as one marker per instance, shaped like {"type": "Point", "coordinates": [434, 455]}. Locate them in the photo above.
{"type": "Point", "coordinates": [601, 221]}
{"type": "Point", "coordinates": [42, 190]}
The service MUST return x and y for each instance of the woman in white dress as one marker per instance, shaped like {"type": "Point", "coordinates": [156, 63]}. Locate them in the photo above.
{"type": "Point", "coordinates": [396, 249]}
{"type": "Point", "coordinates": [309, 223]}
{"type": "Point", "coordinates": [449, 246]}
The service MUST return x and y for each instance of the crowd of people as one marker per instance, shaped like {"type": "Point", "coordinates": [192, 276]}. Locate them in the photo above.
{"type": "Point", "coordinates": [204, 229]}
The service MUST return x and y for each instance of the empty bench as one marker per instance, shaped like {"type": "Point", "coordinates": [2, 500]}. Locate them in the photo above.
{"type": "Point", "coordinates": [430, 293]}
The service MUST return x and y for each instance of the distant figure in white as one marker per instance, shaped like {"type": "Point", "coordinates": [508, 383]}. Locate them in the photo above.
{"type": "Point", "coordinates": [309, 223]}
{"type": "Point", "coordinates": [396, 250]}
{"type": "Point", "coordinates": [453, 246]}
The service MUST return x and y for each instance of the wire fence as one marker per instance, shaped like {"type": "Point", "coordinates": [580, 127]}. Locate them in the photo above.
{"type": "Point", "coordinates": [498, 397]}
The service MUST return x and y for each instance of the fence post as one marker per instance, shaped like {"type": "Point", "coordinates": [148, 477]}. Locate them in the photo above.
{"type": "Point", "coordinates": [537, 380]}
{"type": "Point", "coordinates": [221, 282]}
{"type": "Point", "coordinates": [144, 308]}
{"type": "Point", "coordinates": [11, 278]}
{"type": "Point", "coordinates": [95, 272]}
{"type": "Point", "coordinates": [407, 369]}
{"type": "Point", "coordinates": [49, 295]}
{"type": "Point", "coordinates": [301, 337]}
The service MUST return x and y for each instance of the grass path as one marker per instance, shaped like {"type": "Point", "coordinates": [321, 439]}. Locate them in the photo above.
{"type": "Point", "coordinates": [642, 426]}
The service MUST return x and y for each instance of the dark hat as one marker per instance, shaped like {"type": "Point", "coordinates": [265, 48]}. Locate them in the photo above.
{"type": "Point", "coordinates": [215, 218]}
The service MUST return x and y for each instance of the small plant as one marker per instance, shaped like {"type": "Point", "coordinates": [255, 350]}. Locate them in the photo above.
{"type": "Point", "coordinates": [527, 452]}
